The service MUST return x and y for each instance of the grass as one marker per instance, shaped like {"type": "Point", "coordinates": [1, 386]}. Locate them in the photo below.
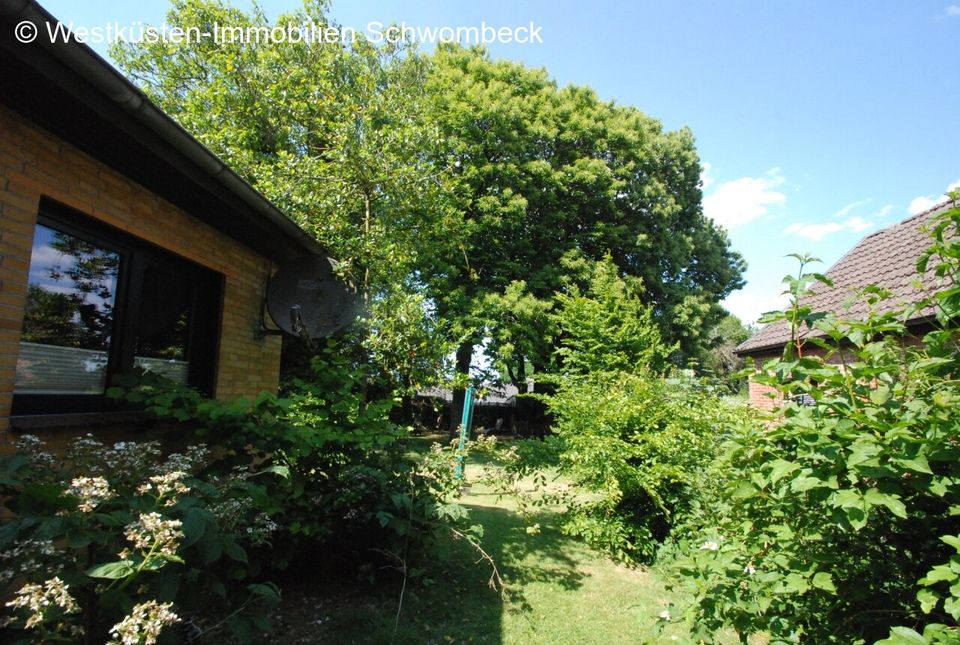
{"type": "Point", "coordinates": [558, 591]}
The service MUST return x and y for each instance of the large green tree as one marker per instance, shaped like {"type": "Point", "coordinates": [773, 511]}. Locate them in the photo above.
{"type": "Point", "coordinates": [451, 184]}
{"type": "Point", "coordinates": [554, 178]}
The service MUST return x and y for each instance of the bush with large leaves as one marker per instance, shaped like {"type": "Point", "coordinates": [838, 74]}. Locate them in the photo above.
{"type": "Point", "coordinates": [832, 516]}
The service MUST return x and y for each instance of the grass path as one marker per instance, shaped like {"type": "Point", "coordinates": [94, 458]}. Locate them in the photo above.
{"type": "Point", "coordinates": [559, 591]}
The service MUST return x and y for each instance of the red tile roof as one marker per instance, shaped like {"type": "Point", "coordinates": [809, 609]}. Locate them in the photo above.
{"type": "Point", "coordinates": [887, 259]}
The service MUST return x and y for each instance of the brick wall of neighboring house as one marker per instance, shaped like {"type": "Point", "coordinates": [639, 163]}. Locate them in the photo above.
{"type": "Point", "coordinates": [760, 394]}
{"type": "Point", "coordinates": [34, 163]}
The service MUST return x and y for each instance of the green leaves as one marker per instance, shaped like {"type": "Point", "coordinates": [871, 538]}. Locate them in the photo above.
{"type": "Point", "coordinates": [113, 570]}
{"type": "Point", "coordinates": [607, 328]}
{"type": "Point", "coordinates": [880, 394]}
{"type": "Point", "coordinates": [780, 468]}
{"type": "Point", "coordinates": [838, 519]}
{"type": "Point", "coordinates": [823, 580]}
{"type": "Point", "coordinates": [918, 464]}
{"type": "Point", "coordinates": [638, 442]}
{"type": "Point", "coordinates": [873, 497]}
{"type": "Point", "coordinates": [903, 636]}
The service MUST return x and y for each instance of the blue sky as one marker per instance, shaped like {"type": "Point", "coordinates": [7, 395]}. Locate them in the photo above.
{"type": "Point", "coordinates": [818, 121]}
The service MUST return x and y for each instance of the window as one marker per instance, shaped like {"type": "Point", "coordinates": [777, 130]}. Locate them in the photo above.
{"type": "Point", "coordinates": [99, 303]}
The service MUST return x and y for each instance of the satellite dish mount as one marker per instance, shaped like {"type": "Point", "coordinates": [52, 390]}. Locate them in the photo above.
{"type": "Point", "coordinates": [306, 299]}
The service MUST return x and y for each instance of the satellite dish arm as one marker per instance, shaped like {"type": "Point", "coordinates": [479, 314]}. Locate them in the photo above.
{"type": "Point", "coordinates": [296, 322]}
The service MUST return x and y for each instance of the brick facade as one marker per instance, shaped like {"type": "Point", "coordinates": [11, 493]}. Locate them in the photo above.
{"type": "Point", "coordinates": [34, 163]}
{"type": "Point", "coordinates": [760, 394]}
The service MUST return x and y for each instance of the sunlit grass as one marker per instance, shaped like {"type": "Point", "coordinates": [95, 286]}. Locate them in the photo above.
{"type": "Point", "coordinates": [558, 590]}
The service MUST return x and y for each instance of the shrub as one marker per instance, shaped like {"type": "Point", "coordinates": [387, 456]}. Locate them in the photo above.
{"type": "Point", "coordinates": [334, 470]}
{"type": "Point", "coordinates": [122, 542]}
{"type": "Point", "coordinates": [122, 536]}
{"type": "Point", "coordinates": [835, 522]}
{"type": "Point", "coordinates": [635, 440]}
{"type": "Point", "coordinates": [638, 443]}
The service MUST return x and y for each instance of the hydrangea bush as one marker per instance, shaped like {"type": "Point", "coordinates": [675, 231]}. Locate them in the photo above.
{"type": "Point", "coordinates": [106, 540]}
{"type": "Point", "coordinates": [144, 542]}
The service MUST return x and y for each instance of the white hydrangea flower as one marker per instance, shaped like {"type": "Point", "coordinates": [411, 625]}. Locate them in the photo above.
{"type": "Point", "coordinates": [25, 557]}
{"type": "Point", "coordinates": [260, 530]}
{"type": "Point", "coordinates": [129, 458]}
{"type": "Point", "coordinates": [38, 599]}
{"type": "Point", "coordinates": [87, 452]}
{"type": "Point", "coordinates": [189, 460]}
{"type": "Point", "coordinates": [92, 491]}
{"type": "Point", "coordinates": [152, 531]}
{"type": "Point", "coordinates": [167, 487]}
{"type": "Point", "coordinates": [32, 446]}
{"type": "Point", "coordinates": [144, 624]}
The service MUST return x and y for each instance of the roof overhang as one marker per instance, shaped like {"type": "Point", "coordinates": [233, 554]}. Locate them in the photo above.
{"type": "Point", "coordinates": [915, 326]}
{"type": "Point", "coordinates": [75, 94]}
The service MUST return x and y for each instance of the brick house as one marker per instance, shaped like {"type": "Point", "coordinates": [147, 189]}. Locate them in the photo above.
{"type": "Point", "coordinates": [886, 258]}
{"type": "Point", "coordinates": [123, 243]}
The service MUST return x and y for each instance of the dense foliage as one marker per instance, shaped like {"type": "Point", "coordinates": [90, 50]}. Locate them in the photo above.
{"type": "Point", "coordinates": [339, 136]}
{"type": "Point", "coordinates": [634, 439]}
{"type": "Point", "coordinates": [121, 536]}
{"type": "Point", "coordinates": [449, 186]}
{"type": "Point", "coordinates": [321, 470]}
{"type": "Point", "coordinates": [565, 234]}
{"type": "Point", "coordinates": [839, 520]}
{"type": "Point", "coordinates": [720, 362]}
{"type": "Point", "coordinates": [340, 472]}
{"type": "Point", "coordinates": [551, 178]}
{"type": "Point", "coordinates": [637, 443]}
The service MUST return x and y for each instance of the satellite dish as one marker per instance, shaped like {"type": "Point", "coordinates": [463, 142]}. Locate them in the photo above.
{"type": "Point", "coordinates": [306, 298]}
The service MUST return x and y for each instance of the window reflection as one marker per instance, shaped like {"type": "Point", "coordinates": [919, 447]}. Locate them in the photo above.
{"type": "Point", "coordinates": [68, 317]}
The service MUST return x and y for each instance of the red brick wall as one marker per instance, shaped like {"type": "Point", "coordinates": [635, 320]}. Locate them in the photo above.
{"type": "Point", "coordinates": [760, 394]}
{"type": "Point", "coordinates": [33, 163]}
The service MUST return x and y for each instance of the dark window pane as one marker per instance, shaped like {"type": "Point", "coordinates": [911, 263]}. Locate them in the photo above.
{"type": "Point", "coordinates": [164, 325]}
{"type": "Point", "coordinates": [68, 317]}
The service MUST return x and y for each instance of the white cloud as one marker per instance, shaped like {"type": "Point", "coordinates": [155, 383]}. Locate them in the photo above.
{"type": "Point", "coordinates": [953, 10]}
{"type": "Point", "coordinates": [922, 203]}
{"type": "Point", "coordinates": [705, 179]}
{"type": "Point", "coordinates": [926, 202]}
{"type": "Point", "coordinates": [817, 232]}
{"type": "Point", "coordinates": [845, 211]}
{"type": "Point", "coordinates": [750, 303]}
{"type": "Point", "coordinates": [738, 202]}
{"type": "Point", "coordinates": [883, 212]}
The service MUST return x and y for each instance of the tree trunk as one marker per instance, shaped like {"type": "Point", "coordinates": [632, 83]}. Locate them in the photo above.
{"type": "Point", "coordinates": [521, 379]}
{"type": "Point", "coordinates": [464, 354]}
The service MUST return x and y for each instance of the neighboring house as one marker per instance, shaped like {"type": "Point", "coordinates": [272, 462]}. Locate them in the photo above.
{"type": "Point", "coordinates": [123, 243]}
{"type": "Point", "coordinates": [497, 408]}
{"type": "Point", "coordinates": [888, 259]}
{"type": "Point", "coordinates": [503, 396]}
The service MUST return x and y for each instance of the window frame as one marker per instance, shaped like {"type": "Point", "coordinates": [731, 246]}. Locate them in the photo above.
{"type": "Point", "coordinates": [136, 255]}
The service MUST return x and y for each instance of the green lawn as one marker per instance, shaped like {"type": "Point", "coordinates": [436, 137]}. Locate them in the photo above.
{"type": "Point", "coordinates": [558, 591]}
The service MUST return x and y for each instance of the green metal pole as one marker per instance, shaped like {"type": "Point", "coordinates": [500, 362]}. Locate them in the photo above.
{"type": "Point", "coordinates": [466, 421]}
